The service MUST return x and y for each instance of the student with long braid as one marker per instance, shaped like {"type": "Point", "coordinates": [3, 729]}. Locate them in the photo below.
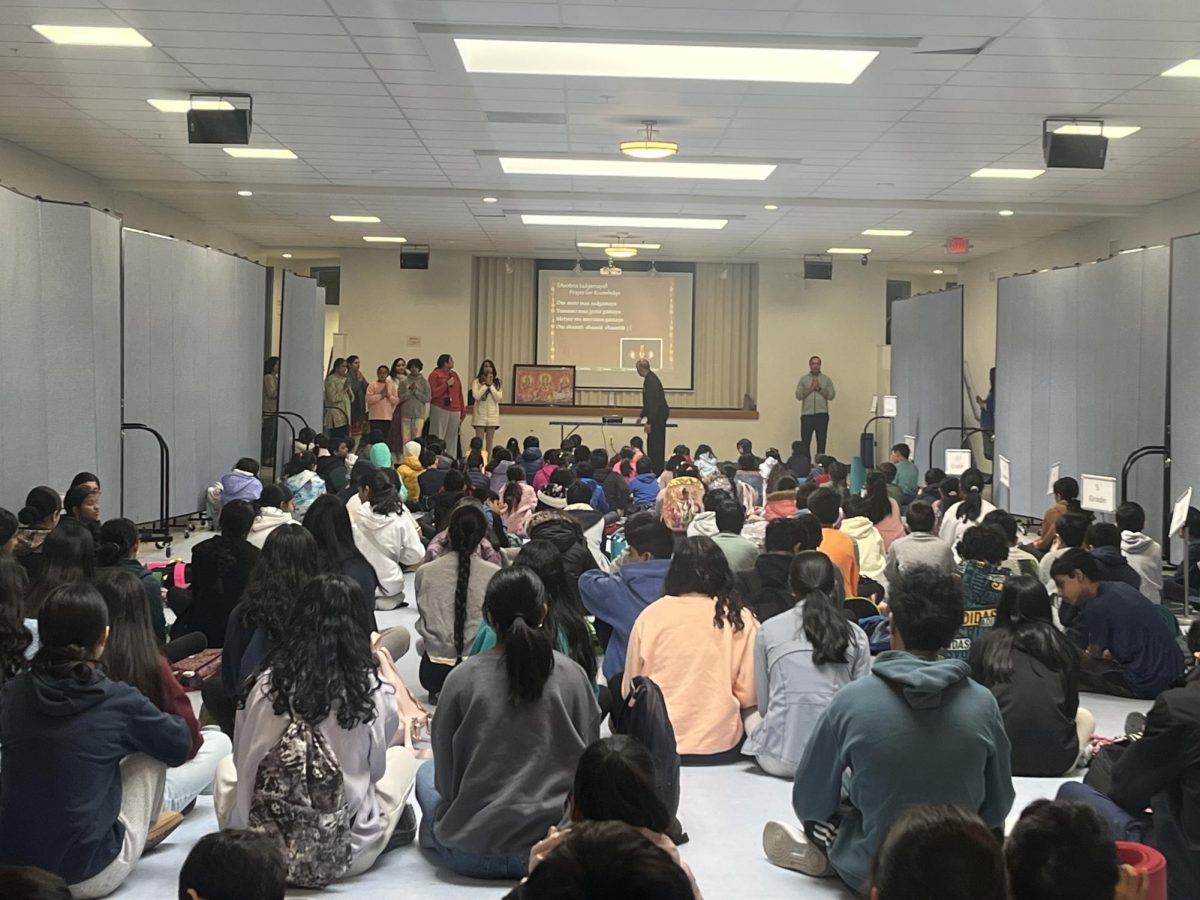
{"type": "Point", "coordinates": [450, 598]}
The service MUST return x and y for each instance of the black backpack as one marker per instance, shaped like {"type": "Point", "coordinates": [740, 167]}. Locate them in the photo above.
{"type": "Point", "coordinates": [643, 717]}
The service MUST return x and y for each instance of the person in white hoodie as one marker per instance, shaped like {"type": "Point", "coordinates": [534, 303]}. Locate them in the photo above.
{"type": "Point", "coordinates": [705, 523]}
{"type": "Point", "coordinates": [1143, 553]}
{"type": "Point", "coordinates": [386, 533]}
{"type": "Point", "coordinates": [968, 512]}
{"type": "Point", "coordinates": [275, 509]}
{"type": "Point", "coordinates": [872, 558]}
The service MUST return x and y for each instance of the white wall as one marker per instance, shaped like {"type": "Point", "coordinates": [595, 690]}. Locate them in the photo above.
{"type": "Point", "coordinates": [33, 174]}
{"type": "Point", "coordinates": [385, 309]}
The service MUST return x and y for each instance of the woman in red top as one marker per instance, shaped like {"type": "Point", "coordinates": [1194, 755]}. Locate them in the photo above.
{"type": "Point", "coordinates": [446, 405]}
{"type": "Point", "coordinates": [131, 655]}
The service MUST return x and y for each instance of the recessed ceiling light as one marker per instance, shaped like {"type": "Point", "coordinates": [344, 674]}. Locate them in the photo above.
{"type": "Point", "coordinates": [628, 168]}
{"type": "Point", "coordinates": [648, 146]}
{"type": "Point", "coordinates": [624, 221]}
{"type": "Point", "coordinates": [1008, 173]}
{"type": "Point", "coordinates": [1006, 212]}
{"type": "Point", "coordinates": [245, 193]}
{"type": "Point", "coordinates": [1189, 69]}
{"type": "Point", "coordinates": [182, 106]}
{"type": "Point", "coordinates": [708, 62]}
{"type": "Point", "coordinates": [771, 206]}
{"type": "Point", "coordinates": [887, 232]}
{"type": "Point", "coordinates": [287, 256]}
{"type": "Point", "coordinates": [600, 245]}
{"type": "Point", "coordinates": [490, 200]}
{"type": "Point", "coordinates": [860, 251]}
{"type": "Point", "coordinates": [382, 239]}
{"type": "Point", "coordinates": [368, 220]}
{"type": "Point", "coordinates": [259, 152]}
{"type": "Point", "coordinates": [937, 272]}
{"type": "Point", "coordinates": [1112, 132]}
{"type": "Point", "coordinates": [92, 37]}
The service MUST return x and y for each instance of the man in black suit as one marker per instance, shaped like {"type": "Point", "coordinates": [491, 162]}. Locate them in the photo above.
{"type": "Point", "coordinates": [655, 413]}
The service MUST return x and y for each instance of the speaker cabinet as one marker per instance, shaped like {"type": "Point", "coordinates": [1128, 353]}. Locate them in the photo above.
{"type": "Point", "coordinates": [1074, 151]}
{"type": "Point", "coordinates": [218, 126]}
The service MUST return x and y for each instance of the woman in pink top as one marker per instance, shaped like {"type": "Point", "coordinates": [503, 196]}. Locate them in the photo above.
{"type": "Point", "coordinates": [884, 511]}
{"type": "Point", "coordinates": [550, 464]}
{"type": "Point", "coordinates": [697, 645]}
{"type": "Point", "coordinates": [382, 400]}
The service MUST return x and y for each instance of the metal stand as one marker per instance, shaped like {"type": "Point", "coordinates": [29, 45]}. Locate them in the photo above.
{"type": "Point", "coordinates": [867, 439]}
{"type": "Point", "coordinates": [159, 531]}
{"type": "Point", "coordinates": [285, 416]}
{"type": "Point", "coordinates": [965, 431]}
{"type": "Point", "coordinates": [1139, 454]}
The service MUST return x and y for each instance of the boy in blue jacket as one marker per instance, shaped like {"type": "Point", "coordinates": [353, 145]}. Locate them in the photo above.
{"type": "Point", "coordinates": [916, 730]}
{"type": "Point", "coordinates": [644, 487]}
{"type": "Point", "coordinates": [617, 598]}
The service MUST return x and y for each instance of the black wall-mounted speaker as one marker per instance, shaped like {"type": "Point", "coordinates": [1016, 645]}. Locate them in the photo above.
{"type": "Point", "coordinates": [218, 126]}
{"type": "Point", "coordinates": [1074, 151]}
{"type": "Point", "coordinates": [414, 256]}
{"type": "Point", "coordinates": [818, 268]}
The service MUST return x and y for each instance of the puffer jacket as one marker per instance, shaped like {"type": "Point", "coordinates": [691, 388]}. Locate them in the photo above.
{"type": "Point", "coordinates": [565, 532]}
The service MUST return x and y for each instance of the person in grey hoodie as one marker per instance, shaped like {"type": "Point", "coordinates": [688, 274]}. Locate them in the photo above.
{"type": "Point", "coordinates": [916, 730]}
{"type": "Point", "coordinates": [1143, 553]}
{"type": "Point", "coordinates": [920, 547]}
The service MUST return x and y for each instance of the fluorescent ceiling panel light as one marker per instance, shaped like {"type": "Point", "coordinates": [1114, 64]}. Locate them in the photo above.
{"type": "Point", "coordinates": [937, 272]}
{"type": "Point", "coordinates": [382, 239]}
{"type": "Point", "coordinates": [771, 206]}
{"type": "Point", "coordinates": [860, 251]}
{"type": "Point", "coordinates": [600, 245]}
{"type": "Point", "coordinates": [623, 221]}
{"type": "Point", "coordinates": [260, 153]}
{"type": "Point", "coordinates": [490, 200]}
{"type": "Point", "coordinates": [245, 193]}
{"type": "Point", "coordinates": [1189, 69]}
{"type": "Point", "coordinates": [629, 168]}
{"type": "Point", "coordinates": [1112, 132]}
{"type": "Point", "coordinates": [706, 62]}
{"type": "Point", "coordinates": [369, 220]}
{"type": "Point", "coordinates": [1008, 173]}
{"type": "Point", "coordinates": [287, 256]}
{"type": "Point", "coordinates": [1005, 213]}
{"type": "Point", "coordinates": [182, 106]}
{"type": "Point", "coordinates": [92, 37]}
{"type": "Point", "coordinates": [887, 232]}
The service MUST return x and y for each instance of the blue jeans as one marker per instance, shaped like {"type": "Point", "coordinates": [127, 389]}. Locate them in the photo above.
{"type": "Point", "coordinates": [469, 865]}
{"type": "Point", "coordinates": [1124, 825]}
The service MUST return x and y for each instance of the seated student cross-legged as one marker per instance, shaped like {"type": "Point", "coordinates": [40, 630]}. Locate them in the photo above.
{"type": "Point", "coordinates": [697, 645]}
{"type": "Point", "coordinates": [85, 757]}
{"type": "Point", "coordinates": [1131, 651]}
{"type": "Point", "coordinates": [509, 731]}
{"type": "Point", "coordinates": [801, 659]}
{"type": "Point", "coordinates": [916, 730]}
{"type": "Point", "coordinates": [1032, 669]}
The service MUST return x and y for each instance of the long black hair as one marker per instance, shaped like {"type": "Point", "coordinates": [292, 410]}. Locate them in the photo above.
{"type": "Point", "coordinates": [614, 781]}
{"type": "Point", "coordinates": [290, 558]}
{"type": "Point", "coordinates": [699, 567]}
{"type": "Point", "coordinates": [14, 636]}
{"type": "Point", "coordinates": [565, 615]}
{"type": "Point", "coordinates": [971, 485]}
{"type": "Point", "coordinates": [1024, 623]}
{"type": "Point", "coordinates": [879, 504]}
{"type": "Point", "coordinates": [813, 580]}
{"type": "Point", "coordinates": [118, 537]}
{"type": "Point", "coordinates": [131, 653]}
{"type": "Point", "coordinates": [381, 491]}
{"type": "Point", "coordinates": [68, 555]}
{"type": "Point", "coordinates": [513, 491]}
{"type": "Point", "coordinates": [328, 521]}
{"type": "Point", "coordinates": [71, 622]}
{"type": "Point", "coordinates": [515, 604]}
{"type": "Point", "coordinates": [323, 665]}
{"type": "Point", "coordinates": [467, 528]}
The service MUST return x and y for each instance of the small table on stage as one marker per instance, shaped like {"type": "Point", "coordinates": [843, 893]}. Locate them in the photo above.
{"type": "Point", "coordinates": [563, 434]}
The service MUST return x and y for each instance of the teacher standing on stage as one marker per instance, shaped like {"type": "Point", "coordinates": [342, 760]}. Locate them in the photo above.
{"type": "Point", "coordinates": [655, 412]}
{"type": "Point", "coordinates": [814, 392]}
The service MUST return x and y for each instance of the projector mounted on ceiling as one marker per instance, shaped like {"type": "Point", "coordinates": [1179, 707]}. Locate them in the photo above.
{"type": "Point", "coordinates": [229, 123]}
{"type": "Point", "coordinates": [1069, 143]}
{"type": "Point", "coordinates": [610, 269]}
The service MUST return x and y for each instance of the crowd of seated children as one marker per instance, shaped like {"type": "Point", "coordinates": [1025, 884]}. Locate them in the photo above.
{"type": "Point", "coordinates": [916, 705]}
{"type": "Point", "coordinates": [802, 657]}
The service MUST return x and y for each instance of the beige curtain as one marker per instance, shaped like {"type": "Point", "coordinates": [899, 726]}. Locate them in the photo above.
{"type": "Point", "coordinates": [504, 326]}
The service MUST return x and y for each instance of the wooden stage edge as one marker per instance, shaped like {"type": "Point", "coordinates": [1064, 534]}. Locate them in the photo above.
{"type": "Point", "coordinates": [630, 413]}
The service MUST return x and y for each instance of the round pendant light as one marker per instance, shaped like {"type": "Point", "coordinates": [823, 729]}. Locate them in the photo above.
{"type": "Point", "coordinates": [620, 251]}
{"type": "Point", "coordinates": [648, 146]}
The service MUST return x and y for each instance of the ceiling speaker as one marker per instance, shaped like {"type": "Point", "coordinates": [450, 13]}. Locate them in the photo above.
{"type": "Point", "coordinates": [218, 126]}
{"type": "Point", "coordinates": [1074, 151]}
{"type": "Point", "coordinates": [818, 268]}
{"type": "Point", "coordinates": [414, 256]}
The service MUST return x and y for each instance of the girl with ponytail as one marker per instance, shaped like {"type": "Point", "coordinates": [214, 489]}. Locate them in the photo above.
{"type": "Point", "coordinates": [450, 593]}
{"type": "Point", "coordinates": [801, 658]}
{"type": "Point", "coordinates": [118, 549]}
{"type": "Point", "coordinates": [38, 517]}
{"type": "Point", "coordinates": [512, 724]}
{"type": "Point", "coordinates": [66, 727]}
{"type": "Point", "coordinates": [966, 513]}
{"type": "Point", "coordinates": [883, 510]}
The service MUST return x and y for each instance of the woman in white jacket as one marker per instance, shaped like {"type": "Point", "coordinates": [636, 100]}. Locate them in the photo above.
{"type": "Point", "coordinates": [275, 508]}
{"type": "Point", "coordinates": [387, 535]}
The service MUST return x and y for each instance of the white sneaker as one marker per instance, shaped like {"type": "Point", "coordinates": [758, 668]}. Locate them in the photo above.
{"type": "Point", "coordinates": [787, 847]}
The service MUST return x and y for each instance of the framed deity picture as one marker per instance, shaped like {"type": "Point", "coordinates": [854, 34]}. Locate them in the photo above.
{"type": "Point", "coordinates": [543, 385]}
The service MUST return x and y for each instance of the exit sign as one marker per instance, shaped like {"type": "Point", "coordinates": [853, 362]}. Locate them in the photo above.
{"type": "Point", "coordinates": [957, 245]}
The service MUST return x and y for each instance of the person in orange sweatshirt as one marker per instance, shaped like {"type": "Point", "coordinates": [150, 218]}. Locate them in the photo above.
{"type": "Point", "coordinates": [826, 505]}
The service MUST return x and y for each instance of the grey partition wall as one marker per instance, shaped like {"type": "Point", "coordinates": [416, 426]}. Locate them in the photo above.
{"type": "Point", "coordinates": [1081, 374]}
{"type": "Point", "coordinates": [301, 353]}
{"type": "Point", "coordinates": [193, 368]}
{"type": "Point", "coordinates": [1185, 365]}
{"type": "Point", "coordinates": [60, 347]}
{"type": "Point", "coordinates": [927, 352]}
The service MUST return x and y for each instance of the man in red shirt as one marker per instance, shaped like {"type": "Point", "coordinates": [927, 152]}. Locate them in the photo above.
{"type": "Point", "coordinates": [446, 404]}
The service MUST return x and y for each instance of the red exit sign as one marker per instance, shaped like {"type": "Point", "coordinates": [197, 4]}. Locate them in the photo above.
{"type": "Point", "coordinates": [957, 245]}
